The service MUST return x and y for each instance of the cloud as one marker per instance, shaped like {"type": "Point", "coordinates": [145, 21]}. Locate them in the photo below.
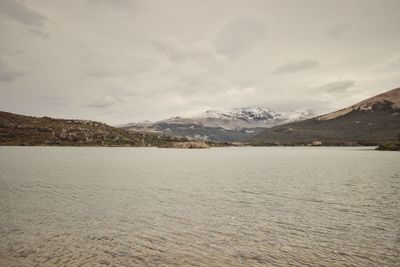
{"type": "Point", "coordinates": [336, 87]}
{"type": "Point", "coordinates": [39, 32]}
{"type": "Point", "coordinates": [171, 47]}
{"type": "Point", "coordinates": [136, 66]}
{"type": "Point", "coordinates": [118, 60]}
{"type": "Point", "coordinates": [11, 52]}
{"type": "Point", "coordinates": [101, 102]}
{"type": "Point", "coordinates": [103, 60]}
{"type": "Point", "coordinates": [241, 92]}
{"type": "Point", "coordinates": [239, 36]}
{"type": "Point", "coordinates": [392, 66]}
{"type": "Point", "coordinates": [58, 101]}
{"type": "Point", "coordinates": [23, 15]}
{"type": "Point", "coordinates": [179, 52]}
{"type": "Point", "coordinates": [297, 66]}
{"type": "Point", "coordinates": [338, 30]}
{"type": "Point", "coordinates": [188, 69]}
{"type": "Point", "coordinates": [9, 72]}
{"type": "Point", "coordinates": [122, 4]}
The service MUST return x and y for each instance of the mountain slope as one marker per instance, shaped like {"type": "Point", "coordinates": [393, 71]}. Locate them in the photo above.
{"type": "Point", "coordinates": [26, 130]}
{"type": "Point", "coordinates": [221, 126]}
{"type": "Point", "coordinates": [369, 122]}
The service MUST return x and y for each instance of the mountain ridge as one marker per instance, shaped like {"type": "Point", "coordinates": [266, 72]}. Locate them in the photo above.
{"type": "Point", "coordinates": [221, 126]}
{"type": "Point", "coordinates": [369, 122]}
{"type": "Point", "coordinates": [392, 96]}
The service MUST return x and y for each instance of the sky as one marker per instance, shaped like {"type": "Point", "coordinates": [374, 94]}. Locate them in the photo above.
{"type": "Point", "coordinates": [121, 61]}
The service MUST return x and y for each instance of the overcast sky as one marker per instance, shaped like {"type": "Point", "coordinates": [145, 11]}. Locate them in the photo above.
{"type": "Point", "coordinates": [122, 61]}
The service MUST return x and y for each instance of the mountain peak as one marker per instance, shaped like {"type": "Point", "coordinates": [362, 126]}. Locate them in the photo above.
{"type": "Point", "coordinates": [245, 113]}
{"type": "Point", "coordinates": [254, 113]}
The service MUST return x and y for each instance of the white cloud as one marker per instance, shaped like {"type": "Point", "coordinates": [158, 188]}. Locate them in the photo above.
{"type": "Point", "coordinates": [240, 92]}
{"type": "Point", "coordinates": [336, 86]}
{"type": "Point", "coordinates": [239, 36]}
{"type": "Point", "coordinates": [18, 12]}
{"type": "Point", "coordinates": [101, 102]}
{"type": "Point", "coordinates": [9, 71]}
{"type": "Point", "coordinates": [296, 66]}
{"type": "Point", "coordinates": [339, 30]}
{"type": "Point", "coordinates": [392, 65]}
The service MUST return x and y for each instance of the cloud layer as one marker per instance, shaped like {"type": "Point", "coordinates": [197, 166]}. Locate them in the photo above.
{"type": "Point", "coordinates": [20, 13]}
{"type": "Point", "coordinates": [123, 61]}
{"type": "Point", "coordinates": [9, 72]}
{"type": "Point", "coordinates": [239, 36]}
{"type": "Point", "coordinates": [336, 86]}
{"type": "Point", "coordinates": [297, 66]}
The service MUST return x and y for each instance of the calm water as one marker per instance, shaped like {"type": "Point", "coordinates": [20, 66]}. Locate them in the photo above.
{"type": "Point", "coordinates": [216, 207]}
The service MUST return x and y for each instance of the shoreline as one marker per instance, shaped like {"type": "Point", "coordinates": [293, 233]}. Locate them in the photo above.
{"type": "Point", "coordinates": [163, 147]}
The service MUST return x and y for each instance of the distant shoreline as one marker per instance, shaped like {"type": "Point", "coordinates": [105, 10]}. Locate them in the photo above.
{"type": "Point", "coordinates": [112, 146]}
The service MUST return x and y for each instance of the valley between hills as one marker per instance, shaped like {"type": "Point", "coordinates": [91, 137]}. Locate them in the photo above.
{"type": "Point", "coordinates": [373, 121]}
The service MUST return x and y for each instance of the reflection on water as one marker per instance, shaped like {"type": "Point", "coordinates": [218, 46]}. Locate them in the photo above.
{"type": "Point", "coordinates": [216, 207]}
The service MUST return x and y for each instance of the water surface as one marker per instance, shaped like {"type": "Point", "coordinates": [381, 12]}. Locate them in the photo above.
{"type": "Point", "coordinates": [215, 207]}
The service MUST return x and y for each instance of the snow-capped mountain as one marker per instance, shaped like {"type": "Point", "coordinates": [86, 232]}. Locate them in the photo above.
{"type": "Point", "coordinates": [241, 118]}
{"type": "Point", "coordinates": [246, 113]}
{"type": "Point", "coordinates": [218, 125]}
{"type": "Point", "coordinates": [256, 113]}
{"type": "Point", "coordinates": [297, 115]}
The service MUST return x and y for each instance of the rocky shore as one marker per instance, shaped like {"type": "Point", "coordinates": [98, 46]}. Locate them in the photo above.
{"type": "Point", "coordinates": [389, 146]}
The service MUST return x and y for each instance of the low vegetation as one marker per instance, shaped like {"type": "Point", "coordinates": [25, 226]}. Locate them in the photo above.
{"type": "Point", "coordinates": [390, 146]}
{"type": "Point", "coordinates": [19, 130]}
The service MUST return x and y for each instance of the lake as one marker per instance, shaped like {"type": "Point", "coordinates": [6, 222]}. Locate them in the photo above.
{"type": "Point", "coordinates": [266, 206]}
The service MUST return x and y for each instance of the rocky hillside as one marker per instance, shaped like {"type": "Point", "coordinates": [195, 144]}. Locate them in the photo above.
{"type": "Point", "coordinates": [25, 130]}
{"type": "Point", "coordinates": [221, 126]}
{"type": "Point", "coordinates": [370, 122]}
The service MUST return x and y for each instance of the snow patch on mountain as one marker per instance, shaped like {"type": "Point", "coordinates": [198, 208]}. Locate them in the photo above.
{"type": "Point", "coordinates": [297, 115]}
{"type": "Point", "coordinates": [241, 118]}
{"type": "Point", "coordinates": [246, 113]}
